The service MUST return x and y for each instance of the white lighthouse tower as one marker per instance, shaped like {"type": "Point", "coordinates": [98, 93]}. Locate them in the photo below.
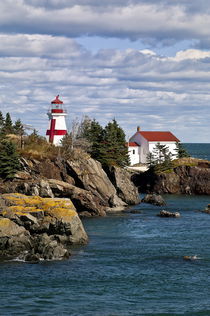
{"type": "Point", "coordinates": [57, 123]}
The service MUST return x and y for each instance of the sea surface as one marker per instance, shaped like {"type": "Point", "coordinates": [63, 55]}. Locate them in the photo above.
{"type": "Point", "coordinates": [132, 265]}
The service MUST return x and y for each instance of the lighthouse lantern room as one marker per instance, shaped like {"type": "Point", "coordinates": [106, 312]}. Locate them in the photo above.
{"type": "Point", "coordinates": [57, 122]}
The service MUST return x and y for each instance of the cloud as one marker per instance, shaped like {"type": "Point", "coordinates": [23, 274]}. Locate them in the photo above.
{"type": "Point", "coordinates": [137, 87]}
{"type": "Point", "coordinates": [40, 57]}
{"type": "Point", "coordinates": [154, 22]}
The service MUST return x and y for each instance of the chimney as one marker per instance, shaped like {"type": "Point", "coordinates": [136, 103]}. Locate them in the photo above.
{"type": "Point", "coordinates": [138, 128]}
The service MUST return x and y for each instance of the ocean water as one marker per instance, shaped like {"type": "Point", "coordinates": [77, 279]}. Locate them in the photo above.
{"type": "Point", "coordinates": [197, 150]}
{"type": "Point", "coordinates": [132, 265]}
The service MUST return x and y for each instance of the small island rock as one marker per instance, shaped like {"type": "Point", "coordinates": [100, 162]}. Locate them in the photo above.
{"type": "Point", "coordinates": [164, 213]}
{"type": "Point", "coordinates": [153, 199]}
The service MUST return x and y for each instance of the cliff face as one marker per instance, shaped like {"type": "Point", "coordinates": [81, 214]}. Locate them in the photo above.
{"type": "Point", "coordinates": [83, 181]}
{"type": "Point", "coordinates": [182, 180]}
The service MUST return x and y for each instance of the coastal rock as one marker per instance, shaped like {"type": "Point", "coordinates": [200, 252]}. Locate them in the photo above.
{"type": "Point", "coordinates": [207, 209]}
{"type": "Point", "coordinates": [126, 189]}
{"type": "Point", "coordinates": [83, 180]}
{"type": "Point", "coordinates": [153, 199]}
{"type": "Point", "coordinates": [33, 227]}
{"type": "Point", "coordinates": [13, 238]}
{"type": "Point", "coordinates": [168, 214]}
{"type": "Point", "coordinates": [89, 175]}
{"type": "Point", "coordinates": [193, 177]}
{"type": "Point", "coordinates": [86, 203]}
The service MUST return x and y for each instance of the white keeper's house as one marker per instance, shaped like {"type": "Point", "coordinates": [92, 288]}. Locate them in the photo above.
{"type": "Point", "coordinates": [143, 142]}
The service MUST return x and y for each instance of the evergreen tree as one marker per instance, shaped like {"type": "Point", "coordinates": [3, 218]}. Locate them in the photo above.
{"type": "Point", "coordinates": [1, 120]}
{"type": "Point", "coordinates": [8, 126]}
{"type": "Point", "coordinates": [9, 163]}
{"type": "Point", "coordinates": [181, 151]}
{"type": "Point", "coordinates": [113, 149]}
{"type": "Point", "coordinates": [161, 158]}
{"type": "Point", "coordinates": [18, 127]}
{"type": "Point", "coordinates": [1, 125]}
{"type": "Point", "coordinates": [150, 160]}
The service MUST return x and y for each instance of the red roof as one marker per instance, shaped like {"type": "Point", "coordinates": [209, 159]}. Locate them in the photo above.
{"type": "Point", "coordinates": [159, 136]}
{"type": "Point", "coordinates": [132, 144]}
{"type": "Point", "coordinates": [57, 101]}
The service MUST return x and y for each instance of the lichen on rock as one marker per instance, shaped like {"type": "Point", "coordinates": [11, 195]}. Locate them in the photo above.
{"type": "Point", "coordinates": [40, 228]}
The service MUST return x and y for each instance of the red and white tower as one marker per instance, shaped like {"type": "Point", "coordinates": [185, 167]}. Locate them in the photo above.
{"type": "Point", "coordinates": [57, 122]}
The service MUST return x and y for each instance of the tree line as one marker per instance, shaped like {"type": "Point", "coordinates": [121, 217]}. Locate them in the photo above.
{"type": "Point", "coordinates": [105, 144]}
{"type": "Point", "coordinates": [7, 126]}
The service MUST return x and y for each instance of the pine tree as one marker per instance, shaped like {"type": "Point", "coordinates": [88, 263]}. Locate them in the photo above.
{"type": "Point", "coordinates": [8, 126]}
{"type": "Point", "coordinates": [1, 125]}
{"type": "Point", "coordinates": [150, 160]}
{"type": "Point", "coordinates": [18, 127]}
{"type": "Point", "coordinates": [1, 120]}
{"type": "Point", "coordinates": [114, 151]}
{"type": "Point", "coordinates": [181, 151]}
{"type": "Point", "coordinates": [9, 163]}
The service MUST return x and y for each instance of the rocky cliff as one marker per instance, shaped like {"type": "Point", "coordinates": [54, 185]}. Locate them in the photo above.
{"type": "Point", "coordinates": [193, 178]}
{"type": "Point", "coordinates": [82, 180]}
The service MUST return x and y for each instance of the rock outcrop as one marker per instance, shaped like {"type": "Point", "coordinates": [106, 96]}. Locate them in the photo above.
{"type": "Point", "coordinates": [183, 179]}
{"type": "Point", "coordinates": [153, 199]}
{"type": "Point", "coordinates": [34, 228]}
{"type": "Point", "coordinates": [121, 179]}
{"type": "Point", "coordinates": [82, 180]}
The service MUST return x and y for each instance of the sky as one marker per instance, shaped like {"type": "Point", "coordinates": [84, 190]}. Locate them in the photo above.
{"type": "Point", "coordinates": [143, 62]}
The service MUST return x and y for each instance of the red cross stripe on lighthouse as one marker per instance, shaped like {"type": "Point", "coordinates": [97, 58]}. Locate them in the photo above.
{"type": "Point", "coordinates": [52, 131]}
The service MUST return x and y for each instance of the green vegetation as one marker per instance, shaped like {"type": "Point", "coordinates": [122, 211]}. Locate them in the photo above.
{"type": "Point", "coordinates": [160, 159]}
{"type": "Point", "coordinates": [181, 151]}
{"type": "Point", "coordinates": [9, 163]}
{"type": "Point", "coordinates": [106, 145]}
{"type": "Point", "coordinates": [87, 138]}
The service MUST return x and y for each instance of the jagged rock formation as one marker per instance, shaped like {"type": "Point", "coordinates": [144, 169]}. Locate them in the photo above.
{"type": "Point", "coordinates": [34, 228]}
{"type": "Point", "coordinates": [183, 179]}
{"type": "Point", "coordinates": [82, 180]}
{"type": "Point", "coordinates": [121, 178]}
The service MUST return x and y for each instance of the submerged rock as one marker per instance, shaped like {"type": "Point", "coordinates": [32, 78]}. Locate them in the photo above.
{"type": "Point", "coordinates": [164, 213]}
{"type": "Point", "coordinates": [207, 209]}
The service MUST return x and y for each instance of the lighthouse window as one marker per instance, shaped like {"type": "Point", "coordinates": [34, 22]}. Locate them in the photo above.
{"type": "Point", "coordinates": [133, 151]}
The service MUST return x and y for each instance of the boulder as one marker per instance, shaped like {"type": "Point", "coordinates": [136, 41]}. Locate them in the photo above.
{"type": "Point", "coordinates": [89, 175]}
{"type": "Point", "coordinates": [153, 199]}
{"type": "Point", "coordinates": [126, 190]}
{"type": "Point", "coordinates": [164, 213]}
{"type": "Point", "coordinates": [13, 239]}
{"type": "Point", "coordinates": [34, 228]}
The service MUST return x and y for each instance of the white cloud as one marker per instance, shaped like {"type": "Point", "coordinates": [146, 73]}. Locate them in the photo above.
{"type": "Point", "coordinates": [152, 21]}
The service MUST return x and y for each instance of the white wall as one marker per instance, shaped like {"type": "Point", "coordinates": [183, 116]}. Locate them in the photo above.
{"type": "Point", "coordinates": [170, 145]}
{"type": "Point", "coordinates": [134, 154]}
{"type": "Point", "coordinates": [144, 146]}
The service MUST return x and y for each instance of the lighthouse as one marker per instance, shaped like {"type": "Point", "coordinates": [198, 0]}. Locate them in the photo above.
{"type": "Point", "coordinates": [57, 122]}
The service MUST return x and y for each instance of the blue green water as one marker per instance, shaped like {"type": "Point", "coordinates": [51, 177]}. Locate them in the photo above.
{"type": "Point", "coordinates": [201, 151]}
{"type": "Point", "coordinates": [133, 265]}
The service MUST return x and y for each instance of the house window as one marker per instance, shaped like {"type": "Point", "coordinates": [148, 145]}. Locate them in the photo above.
{"type": "Point", "coordinates": [133, 151]}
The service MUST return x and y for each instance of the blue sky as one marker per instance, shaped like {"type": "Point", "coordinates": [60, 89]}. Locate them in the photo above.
{"type": "Point", "coordinates": [143, 63]}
